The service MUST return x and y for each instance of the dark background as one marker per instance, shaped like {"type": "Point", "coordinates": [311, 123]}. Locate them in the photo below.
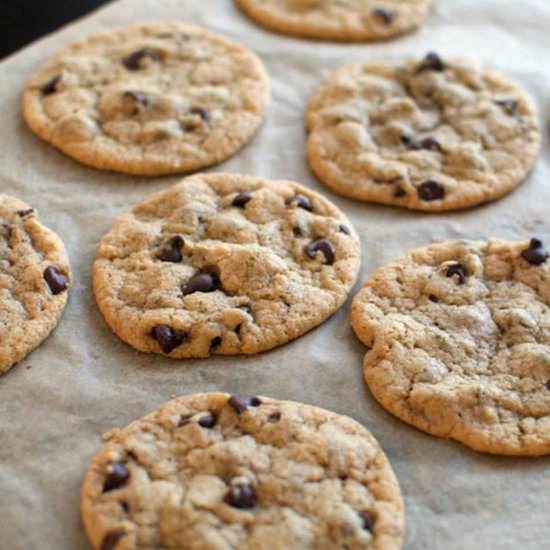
{"type": "Point", "coordinates": [22, 21]}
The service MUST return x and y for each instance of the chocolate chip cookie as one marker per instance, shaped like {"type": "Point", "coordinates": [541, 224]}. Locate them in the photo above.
{"type": "Point", "coordinates": [151, 98]}
{"type": "Point", "coordinates": [224, 264]}
{"type": "Point", "coordinates": [459, 342]}
{"type": "Point", "coordinates": [344, 20]}
{"type": "Point", "coordinates": [430, 134]}
{"type": "Point", "coordinates": [214, 471]}
{"type": "Point", "coordinates": [34, 281]}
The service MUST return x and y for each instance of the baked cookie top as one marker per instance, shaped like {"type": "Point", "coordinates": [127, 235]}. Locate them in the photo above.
{"type": "Point", "coordinates": [151, 98]}
{"type": "Point", "coordinates": [346, 20]}
{"type": "Point", "coordinates": [224, 264]}
{"type": "Point", "coordinates": [431, 134]}
{"type": "Point", "coordinates": [459, 338]}
{"type": "Point", "coordinates": [218, 472]}
{"type": "Point", "coordinates": [34, 281]}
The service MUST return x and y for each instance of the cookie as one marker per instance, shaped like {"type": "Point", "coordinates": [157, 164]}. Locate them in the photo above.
{"type": "Point", "coordinates": [34, 281]}
{"type": "Point", "coordinates": [348, 20]}
{"type": "Point", "coordinates": [147, 99]}
{"type": "Point", "coordinates": [224, 264]}
{"type": "Point", "coordinates": [431, 135]}
{"type": "Point", "coordinates": [459, 342]}
{"type": "Point", "coordinates": [213, 471]}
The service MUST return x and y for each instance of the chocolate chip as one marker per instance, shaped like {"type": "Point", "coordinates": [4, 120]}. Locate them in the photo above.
{"type": "Point", "coordinates": [399, 191]}
{"type": "Point", "coordinates": [509, 105]}
{"type": "Point", "coordinates": [432, 62]}
{"type": "Point", "coordinates": [457, 269]}
{"type": "Point", "coordinates": [384, 14]}
{"type": "Point", "coordinates": [274, 417]}
{"type": "Point", "coordinates": [57, 281]}
{"type": "Point", "coordinates": [241, 402]}
{"type": "Point", "coordinates": [199, 111]}
{"type": "Point", "coordinates": [215, 343]}
{"type": "Point", "coordinates": [23, 213]}
{"type": "Point", "coordinates": [133, 62]}
{"type": "Point", "coordinates": [201, 282]}
{"type": "Point", "coordinates": [535, 254]}
{"type": "Point", "coordinates": [343, 229]}
{"type": "Point", "coordinates": [367, 520]}
{"type": "Point", "coordinates": [167, 338]}
{"type": "Point", "coordinates": [208, 420]}
{"type": "Point", "coordinates": [111, 540]}
{"type": "Point", "coordinates": [303, 202]}
{"type": "Point", "coordinates": [323, 245]}
{"type": "Point", "coordinates": [433, 298]}
{"type": "Point", "coordinates": [51, 86]}
{"type": "Point", "coordinates": [429, 143]}
{"type": "Point", "coordinates": [117, 478]}
{"type": "Point", "coordinates": [241, 199]}
{"type": "Point", "coordinates": [172, 252]}
{"type": "Point", "coordinates": [241, 495]}
{"type": "Point", "coordinates": [431, 191]}
{"type": "Point", "coordinates": [137, 97]}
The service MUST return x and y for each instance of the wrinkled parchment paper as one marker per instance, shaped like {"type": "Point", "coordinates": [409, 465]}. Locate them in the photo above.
{"type": "Point", "coordinates": [55, 405]}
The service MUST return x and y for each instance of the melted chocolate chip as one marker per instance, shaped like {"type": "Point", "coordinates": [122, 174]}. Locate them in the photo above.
{"type": "Point", "coordinates": [242, 402]}
{"type": "Point", "coordinates": [111, 540]}
{"type": "Point", "coordinates": [535, 254]}
{"type": "Point", "coordinates": [215, 343]}
{"type": "Point", "coordinates": [242, 199]}
{"type": "Point", "coordinates": [386, 15]}
{"type": "Point", "coordinates": [344, 229]}
{"type": "Point", "coordinates": [201, 282]}
{"type": "Point", "coordinates": [241, 495]}
{"type": "Point", "coordinates": [431, 191]}
{"type": "Point", "coordinates": [323, 245]}
{"type": "Point", "coordinates": [303, 202]}
{"type": "Point", "coordinates": [134, 61]}
{"type": "Point", "coordinates": [199, 111]}
{"type": "Point", "coordinates": [51, 86]}
{"type": "Point", "coordinates": [510, 106]}
{"type": "Point", "coordinates": [432, 62]}
{"type": "Point", "coordinates": [57, 281]}
{"type": "Point", "coordinates": [137, 97]}
{"type": "Point", "coordinates": [274, 417]}
{"type": "Point", "coordinates": [367, 520]}
{"type": "Point", "coordinates": [167, 338]}
{"type": "Point", "coordinates": [208, 420]}
{"type": "Point", "coordinates": [172, 252]}
{"type": "Point", "coordinates": [429, 143]}
{"type": "Point", "coordinates": [399, 191]}
{"type": "Point", "coordinates": [117, 478]}
{"type": "Point", "coordinates": [23, 213]}
{"type": "Point", "coordinates": [457, 269]}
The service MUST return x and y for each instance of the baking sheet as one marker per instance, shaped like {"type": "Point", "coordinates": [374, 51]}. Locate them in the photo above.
{"type": "Point", "coordinates": [83, 381]}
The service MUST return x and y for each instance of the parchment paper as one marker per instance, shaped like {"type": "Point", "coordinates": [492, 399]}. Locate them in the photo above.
{"type": "Point", "coordinates": [84, 380]}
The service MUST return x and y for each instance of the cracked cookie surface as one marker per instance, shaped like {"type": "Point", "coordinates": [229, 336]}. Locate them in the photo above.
{"type": "Point", "coordinates": [34, 281]}
{"type": "Point", "coordinates": [345, 20]}
{"type": "Point", "coordinates": [207, 471]}
{"type": "Point", "coordinates": [459, 338]}
{"type": "Point", "coordinates": [431, 134]}
{"type": "Point", "coordinates": [151, 98]}
{"type": "Point", "coordinates": [224, 264]}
